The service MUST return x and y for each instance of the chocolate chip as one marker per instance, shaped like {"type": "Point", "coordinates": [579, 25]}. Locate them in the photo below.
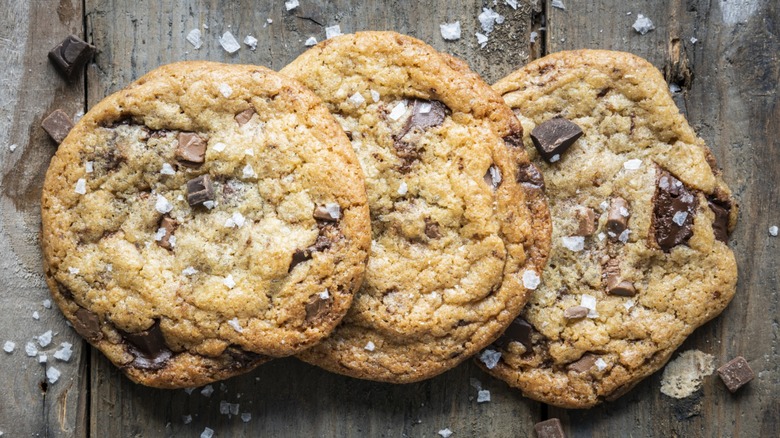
{"type": "Point", "coordinates": [584, 363]}
{"type": "Point", "coordinates": [191, 151]}
{"type": "Point", "coordinates": [720, 225]}
{"type": "Point", "coordinates": [673, 209]}
{"type": "Point", "coordinates": [736, 373]}
{"type": "Point", "coordinates": [518, 331]}
{"type": "Point", "coordinates": [71, 55]}
{"type": "Point", "coordinates": [622, 289]}
{"type": "Point", "coordinates": [317, 306]}
{"type": "Point", "coordinates": [200, 190]}
{"type": "Point", "coordinates": [617, 217]}
{"type": "Point", "coordinates": [529, 176]}
{"type": "Point", "coordinates": [432, 229]}
{"type": "Point", "coordinates": [549, 429]}
{"type": "Point", "coordinates": [87, 324]}
{"type": "Point", "coordinates": [57, 125]}
{"type": "Point", "coordinates": [322, 243]}
{"type": "Point", "coordinates": [576, 312]}
{"type": "Point", "coordinates": [586, 220]}
{"type": "Point", "coordinates": [493, 177]}
{"type": "Point", "coordinates": [554, 137]}
{"type": "Point", "coordinates": [615, 283]}
{"type": "Point", "coordinates": [244, 116]}
{"type": "Point", "coordinates": [435, 115]}
{"type": "Point", "coordinates": [170, 225]}
{"type": "Point", "coordinates": [149, 348]}
{"type": "Point", "coordinates": [322, 213]}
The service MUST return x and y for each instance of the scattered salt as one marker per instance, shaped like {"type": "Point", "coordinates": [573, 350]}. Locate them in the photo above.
{"type": "Point", "coordinates": [45, 339]}
{"type": "Point", "coordinates": [475, 383]}
{"type": "Point", "coordinates": [324, 295]}
{"type": "Point", "coordinates": [558, 4]}
{"type": "Point", "coordinates": [186, 419]}
{"type": "Point", "coordinates": [481, 39]}
{"type": "Point", "coordinates": [334, 210]}
{"type": "Point", "coordinates": [643, 24]}
{"type": "Point", "coordinates": [375, 96]}
{"type": "Point", "coordinates": [512, 3]}
{"type": "Point", "coordinates": [53, 374]}
{"type": "Point", "coordinates": [694, 40]}
{"type": "Point", "coordinates": [162, 205]}
{"type": "Point", "coordinates": [403, 188]}
{"type": "Point", "coordinates": [357, 99]}
{"type": "Point", "coordinates": [674, 88]}
{"type": "Point", "coordinates": [81, 186]}
{"type": "Point", "coordinates": [161, 232]}
{"type": "Point", "coordinates": [291, 4]}
{"type": "Point", "coordinates": [109, 267]}
{"type": "Point", "coordinates": [43, 358]}
{"type": "Point", "coordinates": [189, 270]}
{"type": "Point", "coordinates": [219, 147]}
{"type": "Point", "coordinates": [65, 352]}
{"type": "Point", "coordinates": [332, 31]}
{"type": "Point", "coordinates": [73, 271]}
{"type": "Point", "coordinates": [9, 346]}
{"type": "Point", "coordinates": [238, 220]}
{"type": "Point", "coordinates": [233, 408]}
{"type": "Point", "coordinates": [623, 237]}
{"type": "Point", "coordinates": [224, 407]}
{"type": "Point", "coordinates": [589, 301]}
{"type": "Point", "coordinates": [30, 349]}
{"type": "Point", "coordinates": [229, 282]}
{"type": "Point", "coordinates": [483, 395]}
{"type": "Point", "coordinates": [679, 218]}
{"type": "Point", "coordinates": [189, 390]}
{"type": "Point", "coordinates": [624, 212]}
{"type": "Point", "coordinates": [250, 152]}
{"type": "Point", "coordinates": [248, 171]}
{"type": "Point", "coordinates": [398, 111]}
{"type": "Point", "coordinates": [225, 90]}
{"type": "Point", "coordinates": [36, 315]}
{"type": "Point", "coordinates": [445, 433]}
{"type": "Point", "coordinates": [573, 243]}
{"type": "Point", "coordinates": [89, 167]}
{"type": "Point", "coordinates": [47, 304]}
{"type": "Point", "coordinates": [246, 417]}
{"type": "Point", "coordinates": [269, 21]}
{"type": "Point", "coordinates": [229, 43]}
{"type": "Point", "coordinates": [450, 31]}
{"type": "Point", "coordinates": [634, 164]}
{"type": "Point", "coordinates": [12, 147]}
{"type": "Point", "coordinates": [207, 433]}
{"type": "Point", "coordinates": [369, 346]}
{"type": "Point", "coordinates": [773, 231]}
{"type": "Point", "coordinates": [531, 279]}
{"type": "Point", "coordinates": [209, 204]}
{"type": "Point", "coordinates": [207, 391]}
{"type": "Point", "coordinates": [310, 42]}
{"type": "Point", "coordinates": [236, 326]}
{"type": "Point", "coordinates": [555, 158]}
{"type": "Point", "coordinates": [490, 358]}
{"type": "Point", "coordinates": [488, 19]}
{"type": "Point", "coordinates": [628, 304]}
{"type": "Point", "coordinates": [193, 37]}
{"type": "Point", "coordinates": [601, 236]}
{"type": "Point", "coordinates": [534, 36]}
{"type": "Point", "coordinates": [601, 364]}
{"type": "Point", "coordinates": [251, 42]}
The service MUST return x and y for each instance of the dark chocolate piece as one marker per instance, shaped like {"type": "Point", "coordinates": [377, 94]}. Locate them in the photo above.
{"type": "Point", "coordinates": [317, 306]}
{"type": "Point", "coordinates": [322, 243]}
{"type": "Point", "coordinates": [549, 429]}
{"type": "Point", "coordinates": [615, 283]}
{"type": "Point", "coordinates": [576, 312]}
{"type": "Point", "coordinates": [622, 289]}
{"type": "Point", "coordinates": [244, 116]}
{"type": "Point", "coordinates": [87, 324]}
{"type": "Point", "coordinates": [529, 176]}
{"type": "Point", "coordinates": [515, 139]}
{"type": "Point", "coordinates": [720, 225]}
{"type": "Point", "coordinates": [617, 217]}
{"type": "Point", "coordinates": [321, 213]}
{"type": "Point", "coordinates": [191, 151]}
{"type": "Point", "coordinates": [71, 55]}
{"type": "Point", "coordinates": [583, 364]}
{"type": "Point", "coordinates": [149, 348]}
{"type": "Point", "coordinates": [200, 190]}
{"type": "Point", "coordinates": [170, 225]}
{"type": "Point", "coordinates": [518, 331]}
{"type": "Point", "coordinates": [57, 125]}
{"type": "Point", "coordinates": [586, 220]}
{"type": "Point", "coordinates": [736, 373]}
{"type": "Point", "coordinates": [554, 137]}
{"type": "Point", "coordinates": [673, 209]}
{"type": "Point", "coordinates": [432, 229]}
{"type": "Point", "coordinates": [434, 117]}
{"type": "Point", "coordinates": [493, 177]}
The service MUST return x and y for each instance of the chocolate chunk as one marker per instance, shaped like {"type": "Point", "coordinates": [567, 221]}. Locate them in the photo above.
{"type": "Point", "coordinates": [436, 112]}
{"type": "Point", "coordinates": [554, 137]}
{"type": "Point", "coordinates": [200, 190]}
{"type": "Point", "coordinates": [515, 139]}
{"type": "Point", "coordinates": [673, 209]}
{"type": "Point", "coordinates": [586, 220]}
{"type": "Point", "coordinates": [57, 125]}
{"type": "Point", "coordinates": [529, 176]}
{"type": "Point", "coordinates": [518, 331]}
{"type": "Point", "coordinates": [241, 358]}
{"type": "Point", "coordinates": [244, 116]}
{"type": "Point", "coordinates": [71, 55]}
{"type": "Point", "coordinates": [149, 348]}
{"type": "Point", "coordinates": [322, 213]}
{"type": "Point", "coordinates": [432, 229]}
{"type": "Point", "coordinates": [736, 373]}
{"type": "Point", "coordinates": [493, 177]}
{"type": "Point", "coordinates": [615, 283]}
{"type": "Point", "coordinates": [622, 289]}
{"type": "Point", "coordinates": [191, 151]}
{"type": "Point", "coordinates": [318, 305]}
{"type": "Point", "coordinates": [549, 429]}
{"type": "Point", "coordinates": [170, 225]}
{"type": "Point", "coordinates": [584, 363]}
{"type": "Point", "coordinates": [322, 243]}
{"type": "Point", "coordinates": [617, 217]}
{"type": "Point", "coordinates": [720, 225]}
{"type": "Point", "coordinates": [576, 312]}
{"type": "Point", "coordinates": [87, 324]}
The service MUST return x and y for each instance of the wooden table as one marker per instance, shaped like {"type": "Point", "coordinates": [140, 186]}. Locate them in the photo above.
{"type": "Point", "coordinates": [723, 54]}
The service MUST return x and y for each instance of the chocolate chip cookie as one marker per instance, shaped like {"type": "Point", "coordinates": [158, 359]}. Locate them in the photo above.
{"type": "Point", "coordinates": [641, 218]}
{"type": "Point", "coordinates": [460, 226]}
{"type": "Point", "coordinates": [203, 219]}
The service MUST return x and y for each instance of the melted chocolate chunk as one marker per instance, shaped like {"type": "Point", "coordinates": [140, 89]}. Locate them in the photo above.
{"type": "Point", "coordinates": [736, 373]}
{"type": "Point", "coordinates": [244, 116]}
{"type": "Point", "coordinates": [149, 348]}
{"type": "Point", "coordinates": [57, 125]}
{"type": "Point", "coordinates": [583, 364]}
{"type": "Point", "coordinates": [673, 209]}
{"type": "Point", "coordinates": [529, 176]}
{"type": "Point", "coordinates": [518, 331]}
{"type": "Point", "coordinates": [515, 139]}
{"type": "Point", "coordinates": [554, 137]}
{"type": "Point", "coordinates": [720, 225]}
{"type": "Point", "coordinates": [87, 324]}
{"type": "Point", "coordinates": [200, 190]}
{"type": "Point", "coordinates": [436, 112]}
{"type": "Point", "coordinates": [191, 151]}
{"type": "Point", "coordinates": [317, 306]}
{"type": "Point", "coordinates": [71, 55]}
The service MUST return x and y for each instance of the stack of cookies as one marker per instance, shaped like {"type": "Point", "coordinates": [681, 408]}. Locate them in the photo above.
{"type": "Point", "coordinates": [379, 211]}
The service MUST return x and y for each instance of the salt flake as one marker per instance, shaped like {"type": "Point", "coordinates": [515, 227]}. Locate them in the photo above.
{"type": "Point", "coordinates": [161, 232]}
{"type": "Point", "coordinates": [398, 111]}
{"type": "Point", "coordinates": [207, 391]}
{"type": "Point", "coordinates": [369, 346]}
{"type": "Point", "coordinates": [12, 147]}
{"type": "Point", "coordinates": [249, 151]}
{"type": "Point", "coordinates": [531, 279]}
{"type": "Point", "coordinates": [207, 433]}
{"type": "Point", "coordinates": [643, 24]}
{"type": "Point", "coordinates": [357, 99]}
{"type": "Point", "coordinates": [162, 205]}
{"type": "Point", "coordinates": [219, 147]}
{"type": "Point", "coordinates": [334, 210]}
{"type": "Point", "coordinates": [773, 231]}
{"type": "Point", "coordinates": [558, 4]}
{"type": "Point", "coordinates": [512, 3]}
{"type": "Point", "coordinates": [403, 188]}
{"type": "Point", "coordinates": [36, 315]}
{"type": "Point", "coordinates": [450, 31]}
{"type": "Point", "coordinates": [483, 395]}
{"type": "Point", "coordinates": [9, 346]}
{"type": "Point", "coordinates": [45, 339]}
{"type": "Point", "coordinates": [229, 43]}
{"type": "Point", "coordinates": [89, 167]}
{"type": "Point", "coordinates": [679, 218]}
{"type": "Point", "coordinates": [209, 204]}
{"type": "Point", "coordinates": [445, 433]}
{"type": "Point", "coordinates": [310, 42]}
{"type": "Point", "coordinates": [189, 270]}
{"type": "Point", "coordinates": [73, 271]}
{"type": "Point", "coordinates": [167, 169]}
{"type": "Point", "coordinates": [324, 295]}
{"type": "Point", "coordinates": [694, 40]}
{"type": "Point", "coordinates": [375, 96]}
{"type": "Point", "coordinates": [601, 364]}
{"type": "Point", "coordinates": [193, 37]}
{"type": "Point", "coordinates": [490, 358]}
{"type": "Point", "coordinates": [534, 36]}
{"type": "Point", "coordinates": [634, 164]}
{"type": "Point", "coordinates": [628, 304]}
{"type": "Point", "coordinates": [186, 419]}
{"type": "Point", "coordinates": [81, 186]}
{"type": "Point", "coordinates": [291, 4]}
{"type": "Point", "coordinates": [555, 158]}
{"type": "Point", "coordinates": [332, 31]}
{"type": "Point", "coordinates": [236, 326]}
{"type": "Point", "coordinates": [481, 39]}
{"type": "Point", "coordinates": [229, 282]}
{"type": "Point", "coordinates": [573, 243]}
{"type": "Point", "coordinates": [65, 352]}
{"type": "Point", "coordinates": [225, 90]}
{"type": "Point", "coordinates": [248, 171]}
{"type": "Point", "coordinates": [31, 349]}
{"type": "Point", "coordinates": [589, 302]}
{"type": "Point", "coordinates": [246, 417]}
{"type": "Point", "coordinates": [47, 303]}
{"type": "Point", "coordinates": [53, 374]}
{"type": "Point", "coordinates": [488, 19]}
{"type": "Point", "coordinates": [43, 358]}
{"type": "Point", "coordinates": [251, 42]}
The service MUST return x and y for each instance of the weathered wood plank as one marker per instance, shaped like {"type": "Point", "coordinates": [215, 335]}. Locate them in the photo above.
{"type": "Point", "coordinates": [729, 95]}
{"type": "Point", "coordinates": [288, 398]}
{"type": "Point", "coordinates": [30, 88]}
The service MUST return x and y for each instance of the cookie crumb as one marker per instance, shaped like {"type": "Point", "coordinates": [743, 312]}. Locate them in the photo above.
{"type": "Point", "coordinates": [81, 186]}
{"type": "Point", "coordinates": [683, 376]}
{"type": "Point", "coordinates": [773, 231]}
{"type": "Point", "coordinates": [450, 31]}
{"type": "Point", "coordinates": [229, 43]}
{"type": "Point", "coordinates": [310, 42]}
{"type": "Point", "coordinates": [193, 37]}
{"type": "Point", "coordinates": [291, 4]}
{"type": "Point", "coordinates": [369, 346]}
{"type": "Point", "coordinates": [445, 433]}
{"type": "Point", "coordinates": [251, 42]}
{"type": "Point", "coordinates": [9, 346]}
{"type": "Point", "coordinates": [643, 24]}
{"type": "Point", "coordinates": [332, 31]}
{"type": "Point", "coordinates": [558, 4]}
{"type": "Point", "coordinates": [531, 279]}
{"type": "Point", "coordinates": [483, 396]}
{"type": "Point", "coordinates": [490, 358]}
{"type": "Point", "coordinates": [52, 375]}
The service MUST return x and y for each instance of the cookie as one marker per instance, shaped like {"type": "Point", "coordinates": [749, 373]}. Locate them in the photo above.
{"type": "Point", "coordinates": [454, 232]}
{"type": "Point", "coordinates": [202, 220]}
{"type": "Point", "coordinates": [641, 217]}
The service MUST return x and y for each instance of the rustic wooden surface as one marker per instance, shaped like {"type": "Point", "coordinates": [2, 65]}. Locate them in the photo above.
{"type": "Point", "coordinates": [728, 81]}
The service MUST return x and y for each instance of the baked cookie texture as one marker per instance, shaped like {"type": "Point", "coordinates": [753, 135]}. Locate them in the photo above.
{"type": "Point", "coordinates": [641, 218]}
{"type": "Point", "coordinates": [457, 210]}
{"type": "Point", "coordinates": [202, 220]}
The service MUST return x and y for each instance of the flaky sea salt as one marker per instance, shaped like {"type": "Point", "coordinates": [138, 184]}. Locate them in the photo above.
{"type": "Point", "coordinates": [246, 417]}
{"type": "Point", "coordinates": [248, 171]}
{"type": "Point", "coordinates": [89, 167]}
{"type": "Point", "coordinates": [249, 151]}
{"type": "Point", "coordinates": [332, 31]}
{"type": "Point", "coordinates": [193, 37]}
{"type": "Point", "coordinates": [694, 40]}
{"type": "Point", "coordinates": [450, 31]}
{"type": "Point", "coordinates": [573, 243]}
{"type": "Point", "coordinates": [369, 346]}
{"type": "Point", "coordinates": [534, 36]}
{"type": "Point", "coordinates": [481, 39]}
{"type": "Point", "coordinates": [224, 407]}
{"type": "Point", "coordinates": [488, 19]}
{"type": "Point", "coordinates": [53, 374]}
{"type": "Point", "coordinates": [643, 24]}
{"type": "Point", "coordinates": [162, 205]}
{"type": "Point", "coordinates": [81, 186]}
{"type": "Point", "coordinates": [236, 326]}
{"type": "Point", "coordinates": [43, 358]}
{"type": "Point", "coordinates": [189, 270]}
{"type": "Point", "coordinates": [403, 188]}
{"type": "Point", "coordinates": [531, 279]}
{"type": "Point", "coordinates": [9, 346]}
{"type": "Point", "coordinates": [512, 3]}
{"type": "Point", "coordinates": [229, 43]}
{"type": "Point", "coordinates": [334, 210]}
{"type": "Point", "coordinates": [589, 302]}
{"type": "Point", "coordinates": [219, 147]}
{"type": "Point", "coordinates": [13, 147]}
{"type": "Point", "coordinates": [324, 295]}
{"type": "Point", "coordinates": [229, 282]}
{"type": "Point", "coordinates": [483, 395]}
{"type": "Point", "coordinates": [236, 220]}
{"type": "Point", "coordinates": [73, 271]}
{"type": "Point", "coordinates": [209, 204]}
{"type": "Point", "coordinates": [555, 158]}
{"type": "Point", "coordinates": [31, 349]}
{"type": "Point", "coordinates": [773, 231]}
{"type": "Point", "coordinates": [628, 304]}
{"type": "Point", "coordinates": [601, 364]}
{"type": "Point", "coordinates": [445, 433]}
{"type": "Point", "coordinates": [167, 169]}
{"type": "Point", "coordinates": [291, 4]}
{"type": "Point", "coordinates": [45, 339]}
{"type": "Point", "coordinates": [310, 42]}
{"type": "Point", "coordinates": [207, 433]}
{"type": "Point", "coordinates": [679, 218]}
{"type": "Point", "coordinates": [207, 391]}
{"type": "Point", "coordinates": [495, 175]}
{"type": "Point", "coordinates": [186, 419]}
{"type": "Point", "coordinates": [47, 303]}
{"type": "Point", "coordinates": [490, 358]}
{"type": "Point", "coordinates": [634, 164]}
{"type": "Point", "coordinates": [375, 96]}
{"type": "Point", "coordinates": [225, 90]}
{"type": "Point", "coordinates": [558, 4]}
{"type": "Point", "coordinates": [65, 352]}
{"type": "Point", "coordinates": [36, 315]}
{"type": "Point", "coordinates": [357, 99]}
{"type": "Point", "coordinates": [161, 232]}
{"type": "Point", "coordinates": [251, 42]}
{"type": "Point", "coordinates": [398, 111]}
{"type": "Point", "coordinates": [623, 237]}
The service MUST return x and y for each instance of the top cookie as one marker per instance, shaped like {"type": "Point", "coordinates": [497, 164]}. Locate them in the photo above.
{"type": "Point", "coordinates": [640, 223]}
{"type": "Point", "coordinates": [202, 218]}
{"type": "Point", "coordinates": [454, 232]}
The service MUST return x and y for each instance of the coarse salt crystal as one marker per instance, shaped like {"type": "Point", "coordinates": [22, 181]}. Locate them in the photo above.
{"type": "Point", "coordinates": [403, 188]}
{"type": "Point", "coordinates": [12, 147]}
{"type": "Point", "coordinates": [369, 346]}
{"type": "Point", "coordinates": [209, 204]}
{"type": "Point", "coordinates": [236, 326]}
{"type": "Point", "coordinates": [81, 186]}
{"type": "Point", "coordinates": [161, 232]}
{"type": "Point", "coordinates": [89, 167]}
{"type": "Point", "coordinates": [310, 42]}
{"type": "Point", "coordinates": [248, 171]}
{"type": "Point", "coordinates": [109, 267]}
{"type": "Point", "coordinates": [450, 31]}
{"type": "Point", "coordinates": [73, 271]}
{"type": "Point", "coordinates": [512, 3]}
{"type": "Point", "coordinates": [229, 282]}
{"type": "Point", "coordinates": [357, 99]}
{"type": "Point", "coordinates": [9, 346]}
{"type": "Point", "coordinates": [43, 358]}
{"type": "Point", "coordinates": [332, 31]}
{"type": "Point", "coordinates": [186, 419]}
{"type": "Point", "coordinates": [47, 304]}
{"type": "Point", "coordinates": [589, 301]}
{"type": "Point", "coordinates": [555, 158]}
{"type": "Point", "coordinates": [481, 39]}
{"type": "Point", "coordinates": [643, 24]}
{"type": "Point", "coordinates": [601, 364]}
{"type": "Point", "coordinates": [251, 42]}
{"type": "Point", "coordinates": [45, 339]}
{"type": "Point", "coordinates": [623, 237]}
{"type": "Point", "coordinates": [193, 37]}
{"type": "Point", "coordinates": [445, 433]}
{"type": "Point", "coordinates": [573, 243]}
{"type": "Point", "coordinates": [694, 40]}
{"type": "Point", "coordinates": [189, 270]}
{"type": "Point", "coordinates": [219, 147]}
{"type": "Point", "coordinates": [207, 391]}
{"type": "Point", "coordinates": [334, 210]}
{"type": "Point", "coordinates": [628, 304]}
{"type": "Point", "coordinates": [490, 358]}
{"type": "Point", "coordinates": [291, 4]}
{"type": "Point", "coordinates": [375, 95]}
{"type": "Point", "coordinates": [483, 395]}
{"type": "Point", "coordinates": [488, 19]}
{"type": "Point", "coordinates": [558, 4]}
{"type": "Point", "coordinates": [229, 43]}
{"type": "Point", "coordinates": [224, 407]}
{"type": "Point", "coordinates": [162, 205]}
{"type": "Point", "coordinates": [246, 417]}
{"type": "Point", "coordinates": [624, 212]}
{"type": "Point", "coordinates": [398, 111]}
{"type": "Point", "coordinates": [250, 152]}
{"type": "Point", "coordinates": [207, 433]}
{"type": "Point", "coordinates": [30, 349]}
{"type": "Point", "coordinates": [773, 231]}
{"type": "Point", "coordinates": [534, 36]}
{"type": "Point", "coordinates": [65, 352]}
{"type": "Point", "coordinates": [495, 175]}
{"type": "Point", "coordinates": [425, 108]}
{"type": "Point", "coordinates": [53, 374]}
{"type": "Point", "coordinates": [674, 88]}
{"type": "Point", "coordinates": [225, 90]}
{"type": "Point", "coordinates": [238, 220]}
{"type": "Point", "coordinates": [189, 390]}
{"type": "Point", "coordinates": [324, 295]}
{"type": "Point", "coordinates": [167, 169]}
{"type": "Point", "coordinates": [269, 21]}
{"type": "Point", "coordinates": [36, 315]}
{"type": "Point", "coordinates": [531, 279]}
{"type": "Point", "coordinates": [679, 218]}
{"type": "Point", "coordinates": [634, 164]}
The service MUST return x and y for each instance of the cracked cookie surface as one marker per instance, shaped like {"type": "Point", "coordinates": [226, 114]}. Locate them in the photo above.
{"type": "Point", "coordinates": [202, 220]}
{"type": "Point", "coordinates": [457, 210]}
{"type": "Point", "coordinates": [641, 218]}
